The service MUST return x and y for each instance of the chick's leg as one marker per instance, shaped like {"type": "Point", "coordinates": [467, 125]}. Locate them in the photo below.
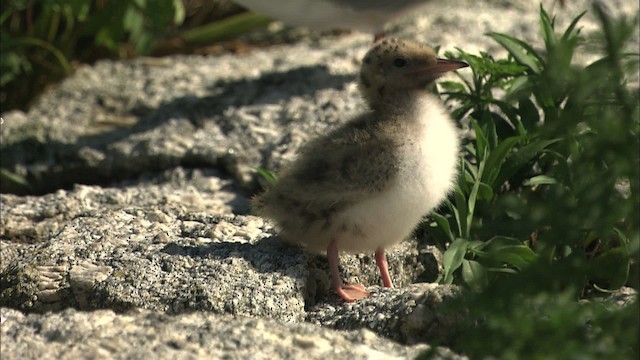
{"type": "Point", "coordinates": [381, 261]}
{"type": "Point", "coordinates": [349, 293]}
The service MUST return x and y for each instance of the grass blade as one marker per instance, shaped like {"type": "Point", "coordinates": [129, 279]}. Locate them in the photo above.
{"type": "Point", "coordinates": [521, 51]}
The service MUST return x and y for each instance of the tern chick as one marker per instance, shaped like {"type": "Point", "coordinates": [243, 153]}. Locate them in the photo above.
{"type": "Point", "coordinates": [364, 186]}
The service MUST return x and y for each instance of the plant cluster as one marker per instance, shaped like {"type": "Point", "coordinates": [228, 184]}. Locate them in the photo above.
{"type": "Point", "coordinates": [545, 211]}
{"type": "Point", "coordinates": [40, 38]}
{"type": "Point", "coordinates": [41, 41]}
{"type": "Point", "coordinates": [552, 170]}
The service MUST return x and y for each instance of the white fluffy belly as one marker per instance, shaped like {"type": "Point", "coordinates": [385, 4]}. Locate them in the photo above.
{"type": "Point", "coordinates": [427, 172]}
{"type": "Point", "coordinates": [383, 221]}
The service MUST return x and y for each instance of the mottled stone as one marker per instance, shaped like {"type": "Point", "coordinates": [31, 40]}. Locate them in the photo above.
{"type": "Point", "coordinates": [104, 334]}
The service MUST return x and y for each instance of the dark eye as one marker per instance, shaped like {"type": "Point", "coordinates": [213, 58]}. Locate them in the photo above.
{"type": "Point", "coordinates": [400, 62]}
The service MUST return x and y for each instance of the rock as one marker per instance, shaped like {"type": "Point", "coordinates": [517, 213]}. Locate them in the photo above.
{"type": "Point", "coordinates": [151, 245]}
{"type": "Point", "coordinates": [410, 315]}
{"type": "Point", "coordinates": [35, 219]}
{"type": "Point", "coordinates": [104, 334]}
{"type": "Point", "coordinates": [126, 248]}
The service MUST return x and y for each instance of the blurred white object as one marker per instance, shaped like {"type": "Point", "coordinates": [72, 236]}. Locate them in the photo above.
{"type": "Point", "coordinates": [362, 15]}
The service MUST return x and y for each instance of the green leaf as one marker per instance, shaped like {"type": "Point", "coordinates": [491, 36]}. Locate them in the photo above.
{"type": "Point", "coordinates": [476, 245]}
{"type": "Point", "coordinates": [270, 177]}
{"type": "Point", "coordinates": [11, 177]}
{"type": "Point", "coordinates": [80, 9]}
{"type": "Point", "coordinates": [492, 134]}
{"type": "Point", "coordinates": [13, 64]}
{"type": "Point", "coordinates": [469, 175]}
{"type": "Point", "coordinates": [461, 211]}
{"type": "Point", "coordinates": [501, 241]}
{"type": "Point", "coordinates": [503, 270]}
{"type": "Point", "coordinates": [471, 202]}
{"type": "Point", "coordinates": [133, 20]}
{"type": "Point", "coordinates": [518, 256]}
{"type": "Point", "coordinates": [456, 214]}
{"type": "Point", "coordinates": [452, 86]}
{"type": "Point", "coordinates": [611, 267]}
{"type": "Point", "coordinates": [31, 41]}
{"type": "Point", "coordinates": [524, 155]}
{"type": "Point", "coordinates": [485, 192]}
{"type": "Point", "coordinates": [179, 12]}
{"type": "Point", "coordinates": [540, 180]}
{"type": "Point", "coordinates": [520, 88]}
{"type": "Point", "coordinates": [481, 140]}
{"type": "Point", "coordinates": [496, 158]}
{"type": "Point", "coordinates": [225, 28]}
{"type": "Point", "coordinates": [569, 33]}
{"type": "Point", "coordinates": [547, 25]}
{"type": "Point", "coordinates": [529, 114]}
{"type": "Point", "coordinates": [521, 51]}
{"type": "Point", "coordinates": [474, 274]}
{"type": "Point", "coordinates": [452, 258]}
{"type": "Point", "coordinates": [105, 37]}
{"type": "Point", "coordinates": [512, 114]}
{"type": "Point", "coordinates": [443, 224]}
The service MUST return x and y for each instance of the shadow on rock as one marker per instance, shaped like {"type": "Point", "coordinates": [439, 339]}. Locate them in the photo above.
{"type": "Point", "coordinates": [122, 142]}
{"type": "Point", "coordinates": [265, 256]}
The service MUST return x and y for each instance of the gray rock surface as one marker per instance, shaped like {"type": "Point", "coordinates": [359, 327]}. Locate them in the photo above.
{"type": "Point", "coordinates": [409, 315]}
{"type": "Point", "coordinates": [144, 334]}
{"type": "Point", "coordinates": [156, 254]}
{"type": "Point", "coordinates": [173, 246]}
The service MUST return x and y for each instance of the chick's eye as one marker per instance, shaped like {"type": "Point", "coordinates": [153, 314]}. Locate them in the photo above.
{"type": "Point", "coordinates": [400, 62]}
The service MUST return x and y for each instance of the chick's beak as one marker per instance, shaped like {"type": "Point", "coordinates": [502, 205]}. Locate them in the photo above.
{"type": "Point", "coordinates": [444, 65]}
{"type": "Point", "coordinates": [441, 66]}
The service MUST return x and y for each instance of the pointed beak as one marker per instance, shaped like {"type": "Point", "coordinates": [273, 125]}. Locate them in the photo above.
{"type": "Point", "coordinates": [444, 65]}
{"type": "Point", "coordinates": [440, 67]}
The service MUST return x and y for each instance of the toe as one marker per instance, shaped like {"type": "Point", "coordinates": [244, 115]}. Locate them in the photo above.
{"type": "Point", "coordinates": [353, 292]}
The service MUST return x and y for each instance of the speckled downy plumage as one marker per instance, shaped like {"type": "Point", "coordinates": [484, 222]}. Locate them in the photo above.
{"type": "Point", "coordinates": [365, 185]}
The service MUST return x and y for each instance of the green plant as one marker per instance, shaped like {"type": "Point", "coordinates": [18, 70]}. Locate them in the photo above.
{"type": "Point", "coordinates": [268, 176]}
{"type": "Point", "coordinates": [527, 190]}
{"type": "Point", "coordinates": [502, 148]}
{"type": "Point", "coordinates": [546, 208]}
{"type": "Point", "coordinates": [39, 39]}
{"type": "Point", "coordinates": [42, 40]}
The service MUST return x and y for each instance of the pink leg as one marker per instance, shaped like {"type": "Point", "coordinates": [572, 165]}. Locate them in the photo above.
{"type": "Point", "coordinates": [381, 261]}
{"type": "Point", "coordinates": [349, 293]}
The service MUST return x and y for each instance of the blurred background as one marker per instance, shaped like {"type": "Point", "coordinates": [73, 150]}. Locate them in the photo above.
{"type": "Point", "coordinates": [44, 41]}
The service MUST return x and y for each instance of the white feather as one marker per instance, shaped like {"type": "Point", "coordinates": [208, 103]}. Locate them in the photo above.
{"type": "Point", "coordinates": [428, 167]}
